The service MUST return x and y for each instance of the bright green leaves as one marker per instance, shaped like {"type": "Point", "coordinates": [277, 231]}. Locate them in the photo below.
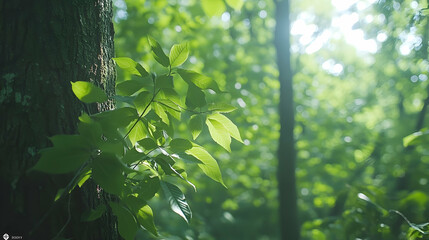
{"type": "Point", "coordinates": [198, 79]}
{"type": "Point", "coordinates": [177, 200]}
{"type": "Point", "coordinates": [107, 171]}
{"type": "Point", "coordinates": [145, 218]}
{"type": "Point", "coordinates": [68, 154]}
{"type": "Point", "coordinates": [131, 151]}
{"type": "Point", "coordinates": [221, 107]}
{"type": "Point", "coordinates": [137, 131]}
{"type": "Point", "coordinates": [88, 92]}
{"type": "Point", "coordinates": [142, 102]}
{"type": "Point", "coordinates": [213, 7]}
{"type": "Point", "coordinates": [227, 124]}
{"type": "Point", "coordinates": [197, 82]}
{"type": "Point", "coordinates": [178, 54]}
{"type": "Point", "coordinates": [160, 111]}
{"type": "Point", "coordinates": [417, 138]}
{"type": "Point", "coordinates": [131, 66]}
{"type": "Point", "coordinates": [222, 129]}
{"type": "Point", "coordinates": [172, 108]}
{"type": "Point", "coordinates": [196, 125]}
{"type": "Point", "coordinates": [158, 53]}
{"type": "Point", "coordinates": [208, 165]}
{"type": "Point", "coordinates": [219, 133]}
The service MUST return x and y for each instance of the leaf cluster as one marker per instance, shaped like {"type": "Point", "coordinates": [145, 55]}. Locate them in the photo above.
{"type": "Point", "coordinates": [131, 152]}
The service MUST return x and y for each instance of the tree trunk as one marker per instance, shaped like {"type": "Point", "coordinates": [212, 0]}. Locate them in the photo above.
{"type": "Point", "coordinates": [45, 45]}
{"type": "Point", "coordinates": [289, 226]}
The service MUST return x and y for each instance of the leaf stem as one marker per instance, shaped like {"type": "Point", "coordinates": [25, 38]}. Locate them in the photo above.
{"type": "Point", "coordinates": [66, 190]}
{"type": "Point", "coordinates": [141, 115]}
{"type": "Point", "coordinates": [188, 110]}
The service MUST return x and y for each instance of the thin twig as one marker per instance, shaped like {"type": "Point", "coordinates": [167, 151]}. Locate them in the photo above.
{"type": "Point", "coordinates": [141, 115]}
{"type": "Point", "coordinates": [66, 189]}
{"type": "Point", "coordinates": [191, 111]}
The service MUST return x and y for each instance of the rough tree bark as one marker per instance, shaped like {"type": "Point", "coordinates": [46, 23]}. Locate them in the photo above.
{"type": "Point", "coordinates": [45, 45]}
{"type": "Point", "coordinates": [289, 226]}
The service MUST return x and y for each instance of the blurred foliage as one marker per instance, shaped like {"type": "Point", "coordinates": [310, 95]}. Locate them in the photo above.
{"type": "Point", "coordinates": [353, 109]}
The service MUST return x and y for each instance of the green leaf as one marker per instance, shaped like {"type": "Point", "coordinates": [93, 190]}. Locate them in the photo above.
{"type": "Point", "coordinates": [83, 177]}
{"type": "Point", "coordinates": [160, 131]}
{"type": "Point", "coordinates": [129, 87]}
{"type": "Point", "coordinates": [145, 218]}
{"type": "Point", "coordinates": [85, 118]}
{"type": "Point", "coordinates": [200, 80]}
{"type": "Point", "coordinates": [59, 194]}
{"type": "Point", "coordinates": [164, 81]}
{"type": "Point", "coordinates": [221, 107]}
{"type": "Point", "coordinates": [148, 187]}
{"type": "Point", "coordinates": [91, 131]}
{"type": "Point", "coordinates": [178, 54]}
{"type": "Point", "coordinates": [228, 124]}
{"type": "Point", "coordinates": [180, 145]}
{"type": "Point", "coordinates": [143, 213]}
{"type": "Point", "coordinates": [127, 225]}
{"type": "Point", "coordinates": [93, 214]}
{"type": "Point", "coordinates": [170, 94]}
{"type": "Point", "coordinates": [416, 138]}
{"type": "Point", "coordinates": [209, 164]}
{"type": "Point", "coordinates": [160, 111]}
{"type": "Point", "coordinates": [132, 156]}
{"type": "Point", "coordinates": [219, 133]}
{"type": "Point", "coordinates": [119, 117]}
{"type": "Point", "coordinates": [196, 125]}
{"type": "Point", "coordinates": [124, 100]}
{"type": "Point", "coordinates": [137, 133]}
{"type": "Point", "coordinates": [181, 173]}
{"type": "Point", "coordinates": [67, 155]}
{"type": "Point", "coordinates": [171, 107]}
{"type": "Point", "coordinates": [213, 7]}
{"type": "Point", "coordinates": [107, 172]}
{"type": "Point", "coordinates": [195, 97]}
{"type": "Point", "coordinates": [112, 146]}
{"type": "Point", "coordinates": [142, 102]}
{"type": "Point", "coordinates": [131, 66]}
{"type": "Point", "coordinates": [177, 200]}
{"type": "Point", "coordinates": [148, 143]}
{"type": "Point", "coordinates": [88, 92]}
{"type": "Point", "coordinates": [75, 142]}
{"type": "Point", "coordinates": [158, 53]}
{"type": "Point", "coordinates": [236, 4]}
{"type": "Point", "coordinates": [165, 163]}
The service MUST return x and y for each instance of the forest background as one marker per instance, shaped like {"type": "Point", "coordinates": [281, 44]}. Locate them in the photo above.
{"type": "Point", "coordinates": [360, 82]}
{"type": "Point", "coordinates": [360, 86]}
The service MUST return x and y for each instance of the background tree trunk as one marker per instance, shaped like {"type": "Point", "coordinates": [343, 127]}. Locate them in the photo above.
{"type": "Point", "coordinates": [289, 225]}
{"type": "Point", "coordinates": [45, 45]}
